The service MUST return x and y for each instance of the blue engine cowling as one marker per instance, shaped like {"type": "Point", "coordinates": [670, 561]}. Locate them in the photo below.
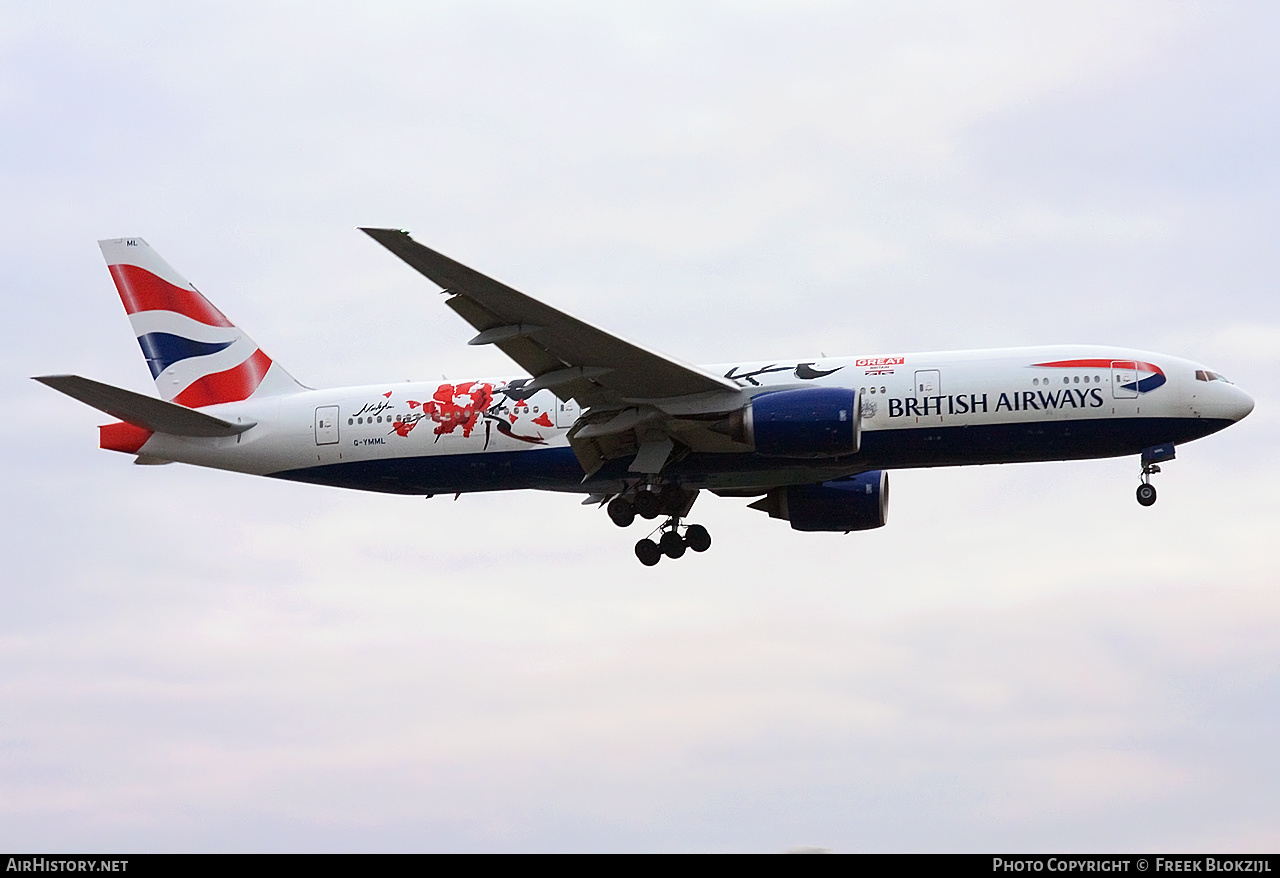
{"type": "Point", "coordinates": [809, 422]}
{"type": "Point", "coordinates": [858, 502]}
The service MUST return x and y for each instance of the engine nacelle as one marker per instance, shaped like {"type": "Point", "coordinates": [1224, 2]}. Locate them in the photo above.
{"type": "Point", "coordinates": [858, 502]}
{"type": "Point", "coordinates": [809, 422]}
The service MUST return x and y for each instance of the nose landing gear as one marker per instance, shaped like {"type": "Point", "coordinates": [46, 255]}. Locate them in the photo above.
{"type": "Point", "coordinates": [1151, 459]}
{"type": "Point", "coordinates": [1147, 491]}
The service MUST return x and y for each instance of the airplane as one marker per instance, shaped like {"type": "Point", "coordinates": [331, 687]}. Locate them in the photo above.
{"type": "Point", "coordinates": [809, 441]}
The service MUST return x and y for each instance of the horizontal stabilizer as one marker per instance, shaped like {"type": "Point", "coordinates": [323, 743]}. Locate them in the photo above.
{"type": "Point", "coordinates": [143, 411]}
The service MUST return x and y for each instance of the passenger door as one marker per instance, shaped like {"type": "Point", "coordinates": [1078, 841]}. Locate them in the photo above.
{"type": "Point", "coordinates": [1124, 379]}
{"type": "Point", "coordinates": [928, 383]}
{"type": "Point", "coordinates": [327, 425]}
{"type": "Point", "coordinates": [566, 413]}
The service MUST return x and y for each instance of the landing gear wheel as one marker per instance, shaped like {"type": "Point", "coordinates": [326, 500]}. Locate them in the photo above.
{"type": "Point", "coordinates": [671, 544]}
{"type": "Point", "coordinates": [621, 511]}
{"type": "Point", "coordinates": [697, 538]}
{"type": "Point", "coordinates": [647, 504]}
{"type": "Point", "coordinates": [1146, 494]}
{"type": "Point", "coordinates": [648, 552]}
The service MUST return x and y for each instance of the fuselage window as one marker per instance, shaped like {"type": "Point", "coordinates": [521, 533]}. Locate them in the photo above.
{"type": "Point", "coordinates": [1066, 380]}
{"type": "Point", "coordinates": [535, 409]}
{"type": "Point", "coordinates": [882, 390]}
{"type": "Point", "coordinates": [359, 420]}
{"type": "Point", "coordinates": [1035, 382]}
{"type": "Point", "coordinates": [350, 421]}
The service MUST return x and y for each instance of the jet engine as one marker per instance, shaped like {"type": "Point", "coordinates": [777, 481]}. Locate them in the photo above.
{"type": "Point", "coordinates": [858, 502]}
{"type": "Point", "coordinates": [808, 422]}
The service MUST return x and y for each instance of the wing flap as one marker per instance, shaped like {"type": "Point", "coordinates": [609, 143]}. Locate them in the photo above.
{"type": "Point", "coordinates": [140, 410]}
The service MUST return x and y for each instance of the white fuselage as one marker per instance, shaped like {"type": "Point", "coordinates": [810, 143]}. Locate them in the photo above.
{"type": "Point", "coordinates": [917, 410]}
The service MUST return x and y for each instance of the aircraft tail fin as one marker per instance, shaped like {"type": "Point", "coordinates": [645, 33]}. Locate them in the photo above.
{"type": "Point", "coordinates": [197, 356]}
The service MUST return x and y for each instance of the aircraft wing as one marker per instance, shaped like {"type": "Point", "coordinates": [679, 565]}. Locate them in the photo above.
{"type": "Point", "coordinates": [572, 358]}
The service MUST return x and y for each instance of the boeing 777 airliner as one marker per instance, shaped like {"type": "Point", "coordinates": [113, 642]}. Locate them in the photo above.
{"type": "Point", "coordinates": [638, 432]}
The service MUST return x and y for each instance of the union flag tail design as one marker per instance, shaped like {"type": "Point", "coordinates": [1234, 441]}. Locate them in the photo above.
{"type": "Point", "coordinates": [197, 356]}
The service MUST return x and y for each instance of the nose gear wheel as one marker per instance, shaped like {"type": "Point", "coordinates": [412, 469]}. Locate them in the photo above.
{"type": "Point", "coordinates": [1146, 491]}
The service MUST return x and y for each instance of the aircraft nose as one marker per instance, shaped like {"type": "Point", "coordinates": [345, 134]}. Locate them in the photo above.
{"type": "Point", "coordinates": [1239, 405]}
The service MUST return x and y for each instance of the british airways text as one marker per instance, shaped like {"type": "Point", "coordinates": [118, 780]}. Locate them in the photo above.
{"type": "Point", "coordinates": [1018, 401]}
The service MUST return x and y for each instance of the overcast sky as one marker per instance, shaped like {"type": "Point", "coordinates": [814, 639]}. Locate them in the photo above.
{"type": "Point", "coordinates": [1024, 659]}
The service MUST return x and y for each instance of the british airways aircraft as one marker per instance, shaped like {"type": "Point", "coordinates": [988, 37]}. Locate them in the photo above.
{"type": "Point", "coordinates": [636, 431]}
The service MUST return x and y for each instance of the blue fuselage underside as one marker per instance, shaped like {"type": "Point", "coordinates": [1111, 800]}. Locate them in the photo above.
{"type": "Point", "coordinates": [557, 469]}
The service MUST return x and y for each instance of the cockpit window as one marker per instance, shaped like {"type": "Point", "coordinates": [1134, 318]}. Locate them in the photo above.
{"type": "Point", "coordinates": [1205, 375]}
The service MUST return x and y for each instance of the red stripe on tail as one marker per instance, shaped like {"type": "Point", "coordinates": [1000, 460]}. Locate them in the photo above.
{"type": "Point", "coordinates": [140, 290]}
{"type": "Point", "coordinates": [232, 385]}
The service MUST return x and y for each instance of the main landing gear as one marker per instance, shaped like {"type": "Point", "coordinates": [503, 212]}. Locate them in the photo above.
{"type": "Point", "coordinates": [671, 543]}
{"type": "Point", "coordinates": [1151, 459]}
{"type": "Point", "coordinates": [673, 538]}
